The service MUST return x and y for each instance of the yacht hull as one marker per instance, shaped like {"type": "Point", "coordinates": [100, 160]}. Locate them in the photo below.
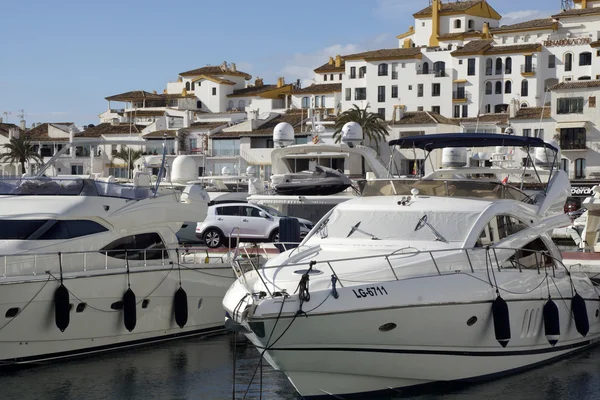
{"type": "Point", "coordinates": [98, 325]}
{"type": "Point", "coordinates": [393, 343]}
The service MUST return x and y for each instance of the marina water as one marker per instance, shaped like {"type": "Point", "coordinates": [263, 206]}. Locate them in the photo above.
{"type": "Point", "coordinates": [201, 368]}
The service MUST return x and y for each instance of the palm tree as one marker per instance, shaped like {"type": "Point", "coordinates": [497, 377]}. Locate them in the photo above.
{"type": "Point", "coordinates": [373, 125]}
{"type": "Point", "coordinates": [128, 155]}
{"type": "Point", "coordinates": [20, 150]}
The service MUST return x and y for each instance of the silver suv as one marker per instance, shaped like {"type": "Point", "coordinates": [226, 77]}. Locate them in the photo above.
{"type": "Point", "coordinates": [255, 222]}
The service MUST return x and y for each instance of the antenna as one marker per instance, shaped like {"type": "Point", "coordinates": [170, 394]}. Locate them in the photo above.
{"type": "Point", "coordinates": [566, 4]}
{"type": "Point", "coordinates": [21, 114]}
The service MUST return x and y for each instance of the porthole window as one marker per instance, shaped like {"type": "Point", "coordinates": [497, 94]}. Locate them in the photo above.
{"type": "Point", "coordinates": [117, 305]}
{"type": "Point", "coordinates": [146, 246]}
{"type": "Point", "coordinates": [80, 307]}
{"type": "Point", "coordinates": [12, 312]}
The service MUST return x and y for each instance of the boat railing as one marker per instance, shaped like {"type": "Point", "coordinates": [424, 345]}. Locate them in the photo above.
{"type": "Point", "coordinates": [33, 264]}
{"type": "Point", "coordinates": [409, 262]}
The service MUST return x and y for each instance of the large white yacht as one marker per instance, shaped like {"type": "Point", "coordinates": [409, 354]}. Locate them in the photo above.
{"type": "Point", "coordinates": [88, 265]}
{"type": "Point", "coordinates": [426, 280]}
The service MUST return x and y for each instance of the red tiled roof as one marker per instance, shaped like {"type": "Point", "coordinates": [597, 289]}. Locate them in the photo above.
{"type": "Point", "coordinates": [110, 129]}
{"type": "Point", "coordinates": [448, 7]}
{"type": "Point", "coordinates": [533, 113]}
{"type": "Point", "coordinates": [215, 70]}
{"type": "Point", "coordinates": [265, 130]}
{"type": "Point", "coordinates": [543, 23]}
{"type": "Point", "coordinates": [576, 85]}
{"type": "Point", "coordinates": [423, 118]}
{"type": "Point", "coordinates": [134, 95]}
{"type": "Point", "coordinates": [4, 128]}
{"type": "Point", "coordinates": [320, 88]}
{"type": "Point", "coordinates": [386, 53]}
{"type": "Point", "coordinates": [473, 46]}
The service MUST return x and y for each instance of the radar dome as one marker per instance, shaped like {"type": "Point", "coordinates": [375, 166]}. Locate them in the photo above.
{"type": "Point", "coordinates": [283, 134]}
{"type": "Point", "coordinates": [194, 193]}
{"type": "Point", "coordinates": [183, 169]}
{"type": "Point", "coordinates": [352, 133]}
{"type": "Point", "coordinates": [250, 170]}
{"type": "Point", "coordinates": [454, 157]}
{"type": "Point", "coordinates": [225, 171]}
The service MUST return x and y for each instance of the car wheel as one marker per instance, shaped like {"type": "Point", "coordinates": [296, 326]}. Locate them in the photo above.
{"type": "Point", "coordinates": [274, 238]}
{"type": "Point", "coordinates": [212, 238]}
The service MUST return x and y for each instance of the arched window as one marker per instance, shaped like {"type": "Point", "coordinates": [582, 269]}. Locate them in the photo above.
{"type": "Point", "coordinates": [471, 24]}
{"type": "Point", "coordinates": [488, 108]}
{"type": "Point", "coordinates": [317, 101]}
{"type": "Point", "coordinates": [457, 23]}
{"type": "Point", "coordinates": [568, 61]}
{"type": "Point", "coordinates": [193, 85]}
{"type": "Point", "coordinates": [498, 66]}
{"type": "Point", "coordinates": [524, 105]}
{"type": "Point", "coordinates": [382, 70]}
{"type": "Point", "coordinates": [230, 105]}
{"type": "Point", "coordinates": [241, 105]}
{"type": "Point", "coordinates": [508, 65]}
{"type": "Point", "coordinates": [499, 87]}
{"type": "Point", "coordinates": [439, 68]}
{"type": "Point", "coordinates": [508, 87]}
{"type": "Point", "coordinates": [524, 88]}
{"type": "Point", "coordinates": [580, 168]}
{"type": "Point", "coordinates": [585, 58]}
{"type": "Point", "coordinates": [187, 85]}
{"type": "Point", "coordinates": [488, 66]}
{"type": "Point", "coordinates": [488, 88]}
{"type": "Point", "coordinates": [425, 67]}
{"type": "Point", "coordinates": [305, 102]}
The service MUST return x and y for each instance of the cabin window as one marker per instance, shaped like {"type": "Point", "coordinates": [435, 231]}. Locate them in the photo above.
{"type": "Point", "coordinates": [534, 254]}
{"type": "Point", "coordinates": [47, 229]}
{"type": "Point", "coordinates": [500, 227]}
{"type": "Point", "coordinates": [145, 246]}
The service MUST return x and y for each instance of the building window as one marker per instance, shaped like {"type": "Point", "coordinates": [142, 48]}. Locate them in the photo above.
{"type": "Point", "coordinates": [585, 58]}
{"type": "Point", "coordinates": [500, 108]}
{"type": "Point", "coordinates": [592, 101]}
{"type": "Point", "coordinates": [524, 88]}
{"type": "Point", "coordinates": [435, 109]}
{"type": "Point", "coordinates": [382, 70]}
{"type": "Point", "coordinates": [488, 88]}
{"type": "Point", "coordinates": [425, 68]}
{"type": "Point", "coordinates": [76, 169]}
{"type": "Point", "coordinates": [420, 108]}
{"type": "Point", "coordinates": [498, 66]}
{"type": "Point", "coordinates": [348, 94]}
{"type": "Point", "coordinates": [381, 94]}
{"type": "Point", "coordinates": [565, 165]}
{"type": "Point", "coordinates": [352, 72]}
{"type": "Point", "coordinates": [381, 112]}
{"type": "Point", "coordinates": [551, 61]}
{"type": "Point", "coordinates": [187, 85]}
{"type": "Point", "coordinates": [226, 148]}
{"type": "Point", "coordinates": [471, 66]}
{"type": "Point", "coordinates": [457, 23]}
{"type": "Point", "coordinates": [394, 92]}
{"type": "Point", "coordinates": [436, 89]}
{"type": "Point", "coordinates": [488, 108]}
{"type": "Point", "coordinates": [331, 77]}
{"type": "Point", "coordinates": [340, 77]}
{"type": "Point", "coordinates": [409, 87]}
{"type": "Point", "coordinates": [362, 71]}
{"type": "Point", "coordinates": [572, 138]}
{"type": "Point", "coordinates": [325, 78]}
{"type": "Point", "coordinates": [471, 24]}
{"type": "Point", "coordinates": [317, 101]}
{"type": "Point", "coordinates": [360, 94]}
{"type": "Point", "coordinates": [420, 90]}
{"type": "Point", "coordinates": [508, 87]}
{"type": "Point", "coordinates": [584, 78]}
{"type": "Point", "coordinates": [499, 87]}
{"type": "Point", "coordinates": [439, 68]}
{"type": "Point", "coordinates": [508, 65]}
{"type": "Point", "coordinates": [465, 111]}
{"type": "Point", "coordinates": [460, 62]}
{"type": "Point", "coordinates": [306, 102]}
{"type": "Point", "coordinates": [528, 67]}
{"type": "Point", "coordinates": [456, 111]}
{"type": "Point", "coordinates": [539, 133]}
{"type": "Point", "coordinates": [569, 105]}
{"type": "Point", "coordinates": [568, 61]}
{"type": "Point", "coordinates": [488, 66]}
{"type": "Point", "coordinates": [580, 168]}
{"type": "Point", "coordinates": [395, 70]}
{"type": "Point", "coordinates": [527, 132]}
{"type": "Point", "coordinates": [214, 91]}
{"type": "Point", "coordinates": [322, 101]}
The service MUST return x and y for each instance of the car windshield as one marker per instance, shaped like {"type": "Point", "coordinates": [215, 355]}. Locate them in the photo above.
{"type": "Point", "coordinates": [271, 211]}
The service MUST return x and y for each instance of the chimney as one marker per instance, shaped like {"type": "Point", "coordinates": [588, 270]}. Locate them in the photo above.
{"type": "Point", "coordinates": [23, 125]}
{"type": "Point", "coordinates": [180, 79]}
{"type": "Point", "coordinates": [1, 120]}
{"type": "Point", "coordinates": [330, 60]}
{"type": "Point", "coordinates": [436, 6]}
{"type": "Point", "coordinates": [280, 82]}
{"type": "Point", "coordinates": [298, 84]}
{"type": "Point", "coordinates": [486, 30]}
{"type": "Point", "coordinates": [13, 133]}
{"type": "Point", "coordinates": [258, 82]}
{"type": "Point", "coordinates": [513, 108]}
{"type": "Point", "coordinates": [338, 61]}
{"type": "Point", "coordinates": [233, 67]}
{"type": "Point", "coordinates": [154, 92]}
{"type": "Point", "coordinates": [584, 3]}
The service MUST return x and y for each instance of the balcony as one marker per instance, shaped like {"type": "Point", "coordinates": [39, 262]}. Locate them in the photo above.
{"type": "Point", "coordinates": [566, 145]}
{"type": "Point", "coordinates": [437, 74]}
{"type": "Point", "coordinates": [460, 96]}
{"type": "Point", "coordinates": [527, 70]}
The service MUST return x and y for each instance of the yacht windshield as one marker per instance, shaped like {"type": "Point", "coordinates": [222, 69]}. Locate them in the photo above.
{"type": "Point", "coordinates": [451, 226]}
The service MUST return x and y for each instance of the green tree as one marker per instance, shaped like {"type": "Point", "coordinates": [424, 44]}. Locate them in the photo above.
{"type": "Point", "coordinates": [129, 156]}
{"type": "Point", "coordinates": [20, 151]}
{"type": "Point", "coordinates": [374, 126]}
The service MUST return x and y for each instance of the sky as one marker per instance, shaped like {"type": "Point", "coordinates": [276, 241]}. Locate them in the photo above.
{"type": "Point", "coordinates": [60, 59]}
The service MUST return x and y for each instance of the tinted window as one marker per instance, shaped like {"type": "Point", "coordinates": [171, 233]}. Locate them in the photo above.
{"type": "Point", "coordinates": [251, 212]}
{"type": "Point", "coordinates": [534, 254]}
{"type": "Point", "coordinates": [146, 246]}
{"type": "Point", "coordinates": [71, 229]}
{"type": "Point", "coordinates": [229, 210]}
{"type": "Point", "coordinates": [500, 227]}
{"type": "Point", "coordinates": [19, 229]}
{"type": "Point", "coordinates": [47, 229]}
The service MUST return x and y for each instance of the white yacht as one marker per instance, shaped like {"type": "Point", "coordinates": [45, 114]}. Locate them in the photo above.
{"type": "Point", "coordinates": [88, 265]}
{"type": "Point", "coordinates": [424, 281]}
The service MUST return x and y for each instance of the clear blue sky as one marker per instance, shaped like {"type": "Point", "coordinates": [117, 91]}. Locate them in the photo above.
{"type": "Point", "coordinates": [61, 58]}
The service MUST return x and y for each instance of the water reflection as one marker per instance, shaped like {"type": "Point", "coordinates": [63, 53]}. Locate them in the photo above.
{"type": "Point", "coordinates": [202, 368]}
